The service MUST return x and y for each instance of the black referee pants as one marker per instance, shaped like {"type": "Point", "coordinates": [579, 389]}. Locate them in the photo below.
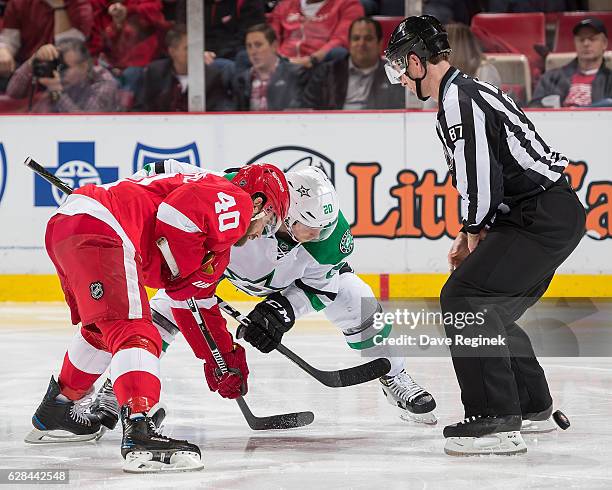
{"type": "Point", "coordinates": [506, 274]}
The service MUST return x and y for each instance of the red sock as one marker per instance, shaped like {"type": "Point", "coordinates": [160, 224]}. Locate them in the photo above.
{"type": "Point", "coordinates": [136, 345]}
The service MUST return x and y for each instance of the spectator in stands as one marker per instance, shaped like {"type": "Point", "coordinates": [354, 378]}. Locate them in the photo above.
{"type": "Point", "coordinates": [164, 85]}
{"type": "Point", "coordinates": [126, 36]}
{"type": "Point", "coordinates": [69, 78]}
{"type": "Point", "coordinates": [357, 81]}
{"type": "Point", "coordinates": [585, 81]}
{"type": "Point", "coordinates": [467, 55]}
{"type": "Point", "coordinates": [226, 23]}
{"type": "Point", "coordinates": [310, 31]}
{"type": "Point", "coordinates": [28, 24]}
{"type": "Point", "coordinates": [272, 83]}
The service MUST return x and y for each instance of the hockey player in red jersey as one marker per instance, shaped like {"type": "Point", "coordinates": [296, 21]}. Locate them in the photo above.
{"type": "Point", "coordinates": [103, 243]}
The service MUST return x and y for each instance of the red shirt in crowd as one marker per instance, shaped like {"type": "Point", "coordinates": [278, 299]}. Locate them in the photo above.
{"type": "Point", "coordinates": [300, 35]}
{"type": "Point", "coordinates": [580, 91]}
{"type": "Point", "coordinates": [137, 42]}
{"type": "Point", "coordinates": [28, 24]}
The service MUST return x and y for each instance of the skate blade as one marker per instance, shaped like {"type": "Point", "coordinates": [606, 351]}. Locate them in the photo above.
{"type": "Point", "coordinates": [37, 436]}
{"type": "Point", "coordinates": [419, 418]}
{"type": "Point", "coordinates": [180, 461]}
{"type": "Point", "coordinates": [538, 426]}
{"type": "Point", "coordinates": [406, 415]}
{"type": "Point", "coordinates": [502, 443]}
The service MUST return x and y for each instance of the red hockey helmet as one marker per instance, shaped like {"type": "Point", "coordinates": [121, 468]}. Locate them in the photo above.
{"type": "Point", "coordinates": [267, 181]}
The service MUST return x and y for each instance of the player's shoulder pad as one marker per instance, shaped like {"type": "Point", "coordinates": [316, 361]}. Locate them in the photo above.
{"type": "Point", "coordinates": [336, 247]}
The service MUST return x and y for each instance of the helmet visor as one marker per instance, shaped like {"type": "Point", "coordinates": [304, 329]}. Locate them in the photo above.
{"type": "Point", "coordinates": [272, 225]}
{"type": "Point", "coordinates": [304, 233]}
{"type": "Point", "coordinates": [395, 69]}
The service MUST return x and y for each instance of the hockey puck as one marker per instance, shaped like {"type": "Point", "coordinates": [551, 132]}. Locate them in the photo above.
{"type": "Point", "coordinates": [561, 419]}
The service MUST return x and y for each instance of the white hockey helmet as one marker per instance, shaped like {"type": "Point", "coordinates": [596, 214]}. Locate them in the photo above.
{"type": "Point", "coordinates": [313, 202]}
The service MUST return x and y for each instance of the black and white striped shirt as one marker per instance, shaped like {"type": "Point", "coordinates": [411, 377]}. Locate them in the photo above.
{"type": "Point", "coordinates": [492, 149]}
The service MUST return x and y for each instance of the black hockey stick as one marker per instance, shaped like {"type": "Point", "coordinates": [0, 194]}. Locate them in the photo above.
{"type": "Point", "coordinates": [334, 379]}
{"type": "Point", "coordinates": [48, 176]}
{"type": "Point", "coordinates": [283, 421]}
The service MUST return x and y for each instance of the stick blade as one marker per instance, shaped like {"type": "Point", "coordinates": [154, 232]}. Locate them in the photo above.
{"type": "Point", "coordinates": [358, 374]}
{"type": "Point", "coordinates": [282, 421]}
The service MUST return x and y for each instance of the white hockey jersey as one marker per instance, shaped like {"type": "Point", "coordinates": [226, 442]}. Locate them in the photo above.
{"type": "Point", "coordinates": [307, 274]}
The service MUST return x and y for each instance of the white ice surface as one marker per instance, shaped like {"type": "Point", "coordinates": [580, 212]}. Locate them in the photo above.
{"type": "Point", "coordinates": [356, 440]}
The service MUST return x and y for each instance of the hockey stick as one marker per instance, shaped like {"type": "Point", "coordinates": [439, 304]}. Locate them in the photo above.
{"type": "Point", "coordinates": [334, 379]}
{"type": "Point", "coordinates": [282, 421]}
{"type": "Point", "coordinates": [48, 176]}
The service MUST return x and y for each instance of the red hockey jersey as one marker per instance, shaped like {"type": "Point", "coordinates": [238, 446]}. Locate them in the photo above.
{"type": "Point", "coordinates": [196, 213]}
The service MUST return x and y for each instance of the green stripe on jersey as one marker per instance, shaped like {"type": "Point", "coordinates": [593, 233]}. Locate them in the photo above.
{"type": "Point", "coordinates": [366, 344]}
{"type": "Point", "coordinates": [316, 303]}
{"type": "Point", "coordinates": [230, 176]}
{"type": "Point", "coordinates": [336, 247]}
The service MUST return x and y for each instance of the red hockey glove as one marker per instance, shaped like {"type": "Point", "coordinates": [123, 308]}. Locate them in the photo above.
{"type": "Point", "coordinates": [233, 383]}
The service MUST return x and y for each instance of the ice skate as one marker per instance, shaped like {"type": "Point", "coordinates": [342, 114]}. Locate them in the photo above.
{"type": "Point", "coordinates": [146, 450]}
{"type": "Point", "coordinates": [485, 435]}
{"type": "Point", "coordinates": [105, 406]}
{"type": "Point", "coordinates": [58, 420]}
{"type": "Point", "coordinates": [416, 404]}
{"type": "Point", "coordinates": [538, 422]}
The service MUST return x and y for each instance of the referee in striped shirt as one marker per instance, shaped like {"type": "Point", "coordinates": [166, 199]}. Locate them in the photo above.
{"type": "Point", "coordinates": [514, 194]}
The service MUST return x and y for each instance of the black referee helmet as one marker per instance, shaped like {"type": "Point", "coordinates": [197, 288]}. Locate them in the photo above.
{"type": "Point", "coordinates": [423, 35]}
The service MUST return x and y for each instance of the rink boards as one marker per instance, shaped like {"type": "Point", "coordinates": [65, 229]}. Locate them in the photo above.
{"type": "Point", "coordinates": [388, 167]}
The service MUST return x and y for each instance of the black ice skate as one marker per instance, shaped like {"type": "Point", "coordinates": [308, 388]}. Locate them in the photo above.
{"type": "Point", "coordinates": [538, 422]}
{"type": "Point", "coordinates": [105, 406]}
{"type": "Point", "coordinates": [415, 402]}
{"type": "Point", "coordinates": [146, 450]}
{"type": "Point", "coordinates": [62, 421]}
{"type": "Point", "coordinates": [485, 435]}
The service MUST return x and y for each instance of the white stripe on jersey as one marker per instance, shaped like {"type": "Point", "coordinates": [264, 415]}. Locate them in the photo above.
{"type": "Point", "coordinates": [80, 204]}
{"type": "Point", "coordinates": [453, 117]}
{"type": "Point", "coordinates": [173, 217]}
{"type": "Point", "coordinates": [85, 357]}
{"type": "Point", "coordinates": [134, 359]}
{"type": "Point", "coordinates": [483, 164]}
{"type": "Point", "coordinates": [515, 147]}
{"type": "Point", "coordinates": [162, 303]}
{"type": "Point", "coordinates": [137, 178]}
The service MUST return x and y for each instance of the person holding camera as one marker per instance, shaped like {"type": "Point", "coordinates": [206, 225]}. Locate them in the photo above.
{"type": "Point", "coordinates": [63, 78]}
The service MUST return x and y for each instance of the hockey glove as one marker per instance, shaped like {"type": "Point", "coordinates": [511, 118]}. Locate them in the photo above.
{"type": "Point", "coordinates": [233, 383]}
{"type": "Point", "coordinates": [270, 319]}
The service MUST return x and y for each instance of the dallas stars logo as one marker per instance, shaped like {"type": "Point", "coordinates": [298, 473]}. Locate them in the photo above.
{"type": "Point", "coordinates": [252, 286]}
{"type": "Point", "coordinates": [304, 191]}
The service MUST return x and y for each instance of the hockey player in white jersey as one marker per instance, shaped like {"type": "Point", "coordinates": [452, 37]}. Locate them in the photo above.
{"type": "Point", "coordinates": [301, 269]}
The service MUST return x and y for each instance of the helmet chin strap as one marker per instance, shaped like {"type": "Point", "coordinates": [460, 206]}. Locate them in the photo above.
{"type": "Point", "coordinates": [418, 81]}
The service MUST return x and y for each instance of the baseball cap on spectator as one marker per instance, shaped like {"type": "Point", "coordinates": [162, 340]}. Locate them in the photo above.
{"type": "Point", "coordinates": [593, 23]}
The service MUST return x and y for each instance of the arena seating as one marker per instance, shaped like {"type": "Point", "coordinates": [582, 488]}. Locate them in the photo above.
{"type": "Point", "coordinates": [515, 74]}
{"type": "Point", "coordinates": [523, 31]}
{"type": "Point", "coordinates": [564, 38]}
{"type": "Point", "coordinates": [557, 60]}
{"type": "Point", "coordinates": [388, 24]}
